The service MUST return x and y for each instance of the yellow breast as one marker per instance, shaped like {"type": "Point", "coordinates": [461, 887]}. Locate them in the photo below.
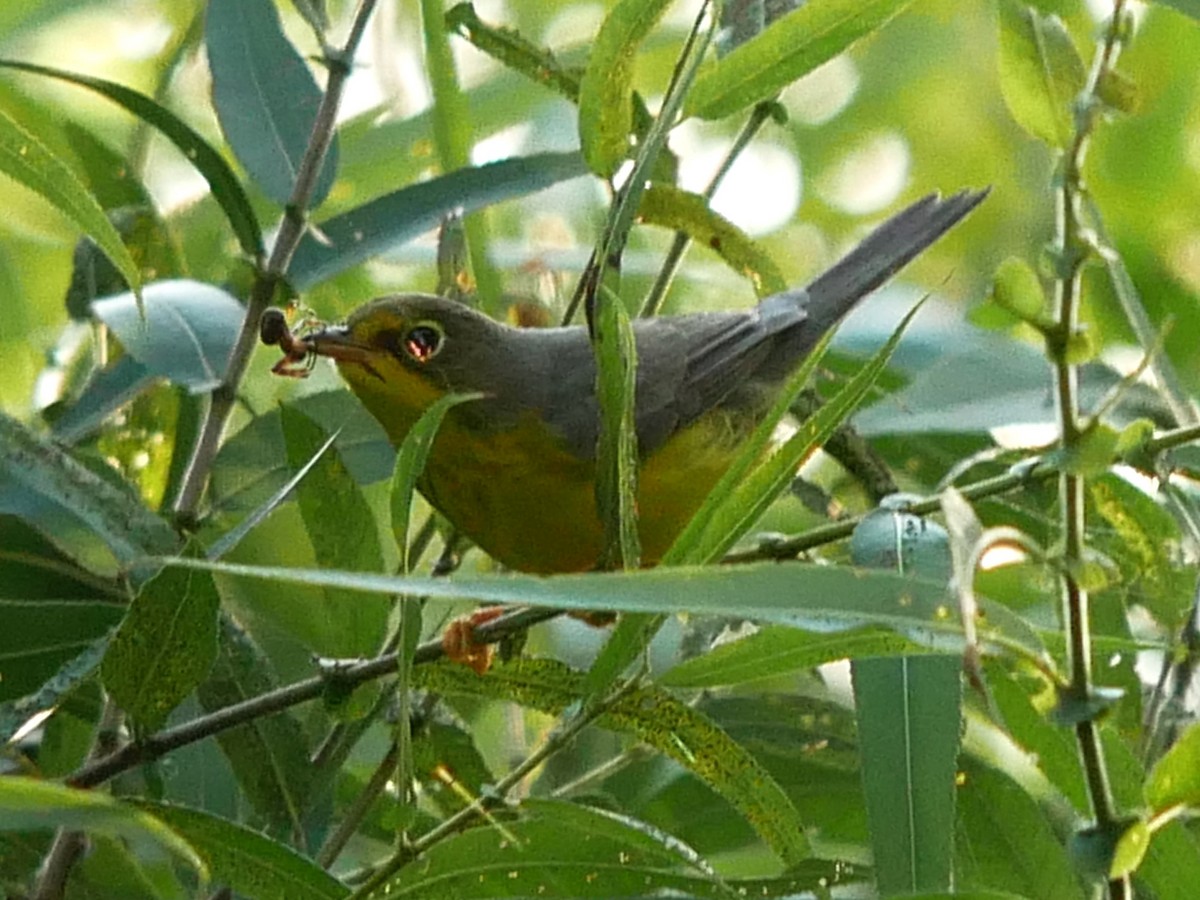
{"type": "Point", "coordinates": [530, 504]}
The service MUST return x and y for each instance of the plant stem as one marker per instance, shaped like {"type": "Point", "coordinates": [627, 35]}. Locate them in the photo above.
{"type": "Point", "coordinates": [150, 748]}
{"type": "Point", "coordinates": [358, 810]}
{"type": "Point", "coordinates": [1072, 253]}
{"type": "Point", "coordinates": [291, 230]}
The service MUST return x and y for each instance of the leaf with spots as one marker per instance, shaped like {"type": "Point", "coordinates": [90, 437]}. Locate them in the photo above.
{"type": "Point", "coordinates": [557, 849]}
{"type": "Point", "coordinates": [165, 645]}
{"type": "Point", "coordinates": [658, 719]}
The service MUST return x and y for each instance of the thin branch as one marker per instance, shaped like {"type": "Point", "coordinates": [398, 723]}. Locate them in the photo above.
{"type": "Point", "coordinates": [358, 810]}
{"type": "Point", "coordinates": [291, 230]}
{"type": "Point", "coordinates": [1072, 251]}
{"type": "Point", "coordinates": [151, 748]}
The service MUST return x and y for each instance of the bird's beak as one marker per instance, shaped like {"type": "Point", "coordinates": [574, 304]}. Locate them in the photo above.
{"type": "Point", "coordinates": [337, 344]}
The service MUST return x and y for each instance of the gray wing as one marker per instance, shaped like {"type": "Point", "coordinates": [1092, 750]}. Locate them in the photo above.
{"type": "Point", "coordinates": [689, 364]}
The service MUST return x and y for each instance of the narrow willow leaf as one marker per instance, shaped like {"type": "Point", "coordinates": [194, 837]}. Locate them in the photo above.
{"type": "Point", "coordinates": [164, 647]}
{"type": "Point", "coordinates": [1006, 841]}
{"type": "Point", "coordinates": [670, 207]}
{"type": "Point", "coordinates": [28, 804]}
{"type": "Point", "coordinates": [606, 91]}
{"type": "Point", "coordinates": [1041, 72]}
{"type": "Point", "coordinates": [208, 162]}
{"type": "Point", "coordinates": [617, 453]}
{"type": "Point", "coordinates": [265, 96]}
{"type": "Point", "coordinates": [908, 732]}
{"type": "Point", "coordinates": [691, 546]}
{"type": "Point", "coordinates": [557, 849]}
{"type": "Point", "coordinates": [508, 47]}
{"type": "Point", "coordinates": [248, 862]}
{"type": "Point", "coordinates": [27, 161]}
{"type": "Point", "coordinates": [791, 47]}
{"type": "Point", "coordinates": [658, 719]}
{"type": "Point", "coordinates": [776, 650]}
{"type": "Point", "coordinates": [817, 597]}
{"type": "Point", "coordinates": [388, 221]}
{"type": "Point", "coordinates": [410, 463]}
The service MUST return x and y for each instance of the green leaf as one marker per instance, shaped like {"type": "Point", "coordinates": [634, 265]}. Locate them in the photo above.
{"type": "Point", "coordinates": [776, 650]}
{"type": "Point", "coordinates": [26, 160]}
{"type": "Point", "coordinates": [656, 718]}
{"type": "Point", "coordinates": [342, 530]}
{"type": "Point", "coordinates": [72, 506]}
{"type": "Point", "coordinates": [107, 391]}
{"type": "Point", "coordinates": [1175, 779]}
{"type": "Point", "coordinates": [1130, 850]}
{"type": "Point", "coordinates": [1041, 72]}
{"type": "Point", "coordinates": [265, 96]}
{"type": "Point", "coordinates": [791, 47]}
{"type": "Point", "coordinates": [39, 636]}
{"type": "Point", "coordinates": [679, 210]}
{"type": "Point", "coordinates": [410, 463]}
{"type": "Point", "coordinates": [269, 754]}
{"type": "Point", "coordinates": [185, 335]}
{"type": "Point", "coordinates": [1052, 747]}
{"type": "Point", "coordinates": [208, 162]}
{"type": "Point", "coordinates": [557, 849]}
{"type": "Point", "coordinates": [511, 49]}
{"type": "Point", "coordinates": [1018, 290]}
{"type": "Point", "coordinates": [252, 465]}
{"type": "Point", "coordinates": [249, 863]}
{"type": "Point", "coordinates": [388, 221]}
{"type": "Point", "coordinates": [908, 732]}
{"type": "Point", "coordinates": [617, 451]}
{"type": "Point", "coordinates": [1171, 865]}
{"type": "Point", "coordinates": [814, 596]}
{"type": "Point", "coordinates": [164, 647]}
{"type": "Point", "coordinates": [27, 804]}
{"type": "Point", "coordinates": [1004, 840]}
{"type": "Point", "coordinates": [606, 90]}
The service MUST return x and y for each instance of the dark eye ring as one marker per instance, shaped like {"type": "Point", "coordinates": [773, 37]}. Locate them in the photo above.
{"type": "Point", "coordinates": [422, 342]}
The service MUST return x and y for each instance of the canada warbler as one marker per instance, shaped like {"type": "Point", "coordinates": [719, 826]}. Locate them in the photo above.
{"type": "Point", "coordinates": [515, 470]}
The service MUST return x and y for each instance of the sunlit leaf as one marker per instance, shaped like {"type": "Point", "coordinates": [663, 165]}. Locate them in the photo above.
{"type": "Point", "coordinates": [792, 46]}
{"type": "Point", "coordinates": [208, 162]}
{"type": "Point", "coordinates": [26, 160]}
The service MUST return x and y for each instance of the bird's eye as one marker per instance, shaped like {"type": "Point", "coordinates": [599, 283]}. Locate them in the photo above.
{"type": "Point", "coordinates": [422, 342]}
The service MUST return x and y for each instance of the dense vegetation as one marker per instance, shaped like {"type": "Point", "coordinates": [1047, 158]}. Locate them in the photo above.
{"type": "Point", "coordinates": [221, 602]}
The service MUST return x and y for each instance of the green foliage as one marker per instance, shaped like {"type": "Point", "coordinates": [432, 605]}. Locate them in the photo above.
{"type": "Point", "coordinates": [707, 745]}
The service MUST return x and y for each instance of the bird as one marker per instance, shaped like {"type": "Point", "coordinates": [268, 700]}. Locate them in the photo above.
{"type": "Point", "coordinates": [514, 469]}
